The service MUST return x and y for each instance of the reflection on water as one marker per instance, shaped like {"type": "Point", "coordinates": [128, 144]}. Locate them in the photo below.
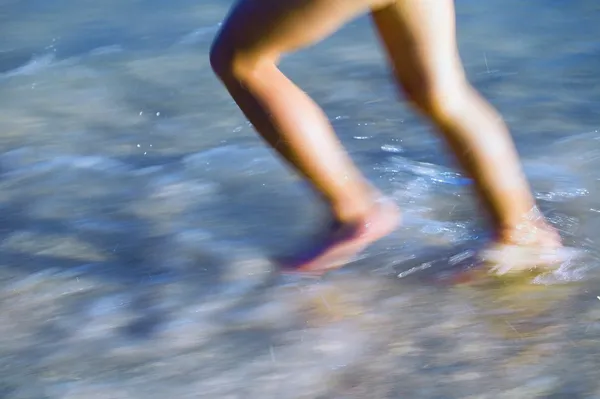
{"type": "Point", "coordinates": [138, 212]}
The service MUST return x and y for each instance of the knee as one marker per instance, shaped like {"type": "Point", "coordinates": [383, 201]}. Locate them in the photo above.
{"type": "Point", "coordinates": [223, 58]}
{"type": "Point", "coordinates": [438, 97]}
{"type": "Point", "coordinates": [228, 61]}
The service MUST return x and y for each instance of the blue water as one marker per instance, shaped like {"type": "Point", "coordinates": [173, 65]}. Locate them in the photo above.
{"type": "Point", "coordinates": [138, 213]}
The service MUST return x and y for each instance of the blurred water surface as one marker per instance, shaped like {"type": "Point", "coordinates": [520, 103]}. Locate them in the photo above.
{"type": "Point", "coordinates": [138, 211]}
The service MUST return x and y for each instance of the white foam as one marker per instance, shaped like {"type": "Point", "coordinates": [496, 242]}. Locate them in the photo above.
{"type": "Point", "coordinates": [199, 35]}
{"type": "Point", "coordinates": [35, 65]}
{"type": "Point", "coordinates": [106, 50]}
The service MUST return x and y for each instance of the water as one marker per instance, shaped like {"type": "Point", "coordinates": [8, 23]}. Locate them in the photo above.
{"type": "Point", "coordinates": [139, 212]}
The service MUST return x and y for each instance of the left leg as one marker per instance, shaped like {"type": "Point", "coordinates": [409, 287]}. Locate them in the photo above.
{"type": "Point", "coordinates": [244, 56]}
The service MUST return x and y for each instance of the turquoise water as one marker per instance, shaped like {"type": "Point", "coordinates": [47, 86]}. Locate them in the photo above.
{"type": "Point", "coordinates": [138, 213]}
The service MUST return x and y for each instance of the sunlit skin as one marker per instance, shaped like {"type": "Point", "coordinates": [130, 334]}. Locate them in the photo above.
{"type": "Point", "coordinates": [419, 38]}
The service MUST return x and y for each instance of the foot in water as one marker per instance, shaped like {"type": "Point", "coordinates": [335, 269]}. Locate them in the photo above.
{"type": "Point", "coordinates": [343, 241]}
{"type": "Point", "coordinates": [531, 244]}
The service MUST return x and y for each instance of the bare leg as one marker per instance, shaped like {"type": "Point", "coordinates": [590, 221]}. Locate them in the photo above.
{"type": "Point", "coordinates": [244, 56]}
{"type": "Point", "coordinates": [420, 39]}
{"type": "Point", "coordinates": [419, 36]}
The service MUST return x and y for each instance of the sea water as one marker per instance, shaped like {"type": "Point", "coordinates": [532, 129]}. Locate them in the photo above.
{"type": "Point", "coordinates": [139, 213]}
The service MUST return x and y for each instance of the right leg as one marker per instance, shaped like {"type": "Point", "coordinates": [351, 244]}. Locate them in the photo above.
{"type": "Point", "coordinates": [420, 39]}
{"type": "Point", "coordinates": [419, 36]}
{"type": "Point", "coordinates": [245, 56]}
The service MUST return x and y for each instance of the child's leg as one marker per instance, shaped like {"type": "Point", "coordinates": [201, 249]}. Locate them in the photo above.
{"type": "Point", "coordinates": [419, 36]}
{"type": "Point", "coordinates": [245, 56]}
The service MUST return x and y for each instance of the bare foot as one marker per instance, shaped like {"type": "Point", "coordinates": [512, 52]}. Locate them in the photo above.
{"type": "Point", "coordinates": [531, 244]}
{"type": "Point", "coordinates": [343, 241]}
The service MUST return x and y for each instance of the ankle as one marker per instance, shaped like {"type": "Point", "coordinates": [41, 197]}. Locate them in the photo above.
{"type": "Point", "coordinates": [531, 228]}
{"type": "Point", "coordinates": [351, 212]}
{"type": "Point", "coordinates": [361, 212]}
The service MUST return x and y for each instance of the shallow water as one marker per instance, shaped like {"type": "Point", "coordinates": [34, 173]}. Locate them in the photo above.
{"type": "Point", "coordinates": [138, 213]}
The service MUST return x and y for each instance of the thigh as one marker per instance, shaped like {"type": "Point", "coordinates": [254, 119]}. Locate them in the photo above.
{"type": "Point", "coordinates": [420, 39]}
{"type": "Point", "coordinates": [269, 28]}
